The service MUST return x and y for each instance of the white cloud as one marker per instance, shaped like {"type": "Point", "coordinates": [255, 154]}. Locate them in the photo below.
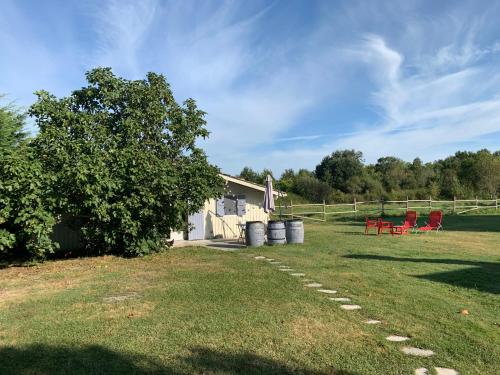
{"type": "Point", "coordinates": [426, 115]}
{"type": "Point", "coordinates": [252, 92]}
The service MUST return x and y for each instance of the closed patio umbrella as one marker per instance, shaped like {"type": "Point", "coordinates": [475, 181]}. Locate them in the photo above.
{"type": "Point", "coordinates": [268, 196]}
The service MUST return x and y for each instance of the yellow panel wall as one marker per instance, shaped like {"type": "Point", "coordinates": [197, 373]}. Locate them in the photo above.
{"type": "Point", "coordinates": [227, 225]}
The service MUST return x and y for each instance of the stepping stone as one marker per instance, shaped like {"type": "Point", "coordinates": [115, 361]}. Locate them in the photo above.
{"type": "Point", "coordinates": [269, 259]}
{"type": "Point", "coordinates": [373, 321]}
{"type": "Point", "coordinates": [286, 269]}
{"type": "Point", "coordinates": [350, 307]}
{"type": "Point", "coordinates": [275, 262]}
{"type": "Point", "coordinates": [327, 291]}
{"type": "Point", "coordinates": [446, 371]}
{"type": "Point", "coordinates": [298, 274]}
{"type": "Point", "coordinates": [417, 351]}
{"type": "Point", "coordinates": [120, 298]}
{"type": "Point", "coordinates": [396, 338]}
{"type": "Point", "coordinates": [421, 371]}
{"type": "Point", "coordinates": [340, 299]}
{"type": "Point", "coordinates": [314, 285]}
{"type": "Point", "coordinates": [259, 257]}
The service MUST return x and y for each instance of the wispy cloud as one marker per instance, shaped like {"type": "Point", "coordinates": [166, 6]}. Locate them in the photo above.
{"type": "Point", "coordinates": [252, 92]}
{"type": "Point", "coordinates": [299, 138]}
{"type": "Point", "coordinates": [426, 115]}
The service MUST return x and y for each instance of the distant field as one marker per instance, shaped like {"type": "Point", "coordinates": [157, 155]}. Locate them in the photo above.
{"type": "Point", "coordinates": [196, 310]}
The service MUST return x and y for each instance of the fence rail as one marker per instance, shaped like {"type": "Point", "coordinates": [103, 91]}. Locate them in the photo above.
{"type": "Point", "coordinates": [308, 210]}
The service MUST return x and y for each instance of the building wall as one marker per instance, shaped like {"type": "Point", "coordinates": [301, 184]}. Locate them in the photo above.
{"type": "Point", "coordinates": [227, 226]}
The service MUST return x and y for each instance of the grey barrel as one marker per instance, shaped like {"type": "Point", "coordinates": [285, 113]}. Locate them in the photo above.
{"type": "Point", "coordinates": [276, 233]}
{"type": "Point", "coordinates": [254, 233]}
{"type": "Point", "coordinates": [294, 231]}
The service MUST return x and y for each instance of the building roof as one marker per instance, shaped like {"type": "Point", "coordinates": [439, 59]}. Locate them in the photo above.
{"type": "Point", "coordinates": [251, 185]}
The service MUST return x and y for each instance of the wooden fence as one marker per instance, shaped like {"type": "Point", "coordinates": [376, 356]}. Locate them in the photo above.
{"type": "Point", "coordinates": [320, 211]}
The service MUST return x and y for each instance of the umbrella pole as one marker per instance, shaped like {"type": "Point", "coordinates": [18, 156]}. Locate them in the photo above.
{"type": "Point", "coordinates": [280, 194]}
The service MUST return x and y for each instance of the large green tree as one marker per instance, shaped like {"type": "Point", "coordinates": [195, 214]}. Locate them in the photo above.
{"type": "Point", "coordinates": [341, 170]}
{"type": "Point", "coordinates": [25, 217]}
{"type": "Point", "coordinates": [11, 128]}
{"type": "Point", "coordinates": [125, 160]}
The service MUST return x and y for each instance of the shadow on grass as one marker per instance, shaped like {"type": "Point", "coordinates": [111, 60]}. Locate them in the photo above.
{"type": "Point", "coordinates": [44, 359]}
{"type": "Point", "coordinates": [482, 276]}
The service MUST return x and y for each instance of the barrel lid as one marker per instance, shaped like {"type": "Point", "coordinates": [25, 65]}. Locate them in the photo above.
{"type": "Point", "coordinates": [294, 220]}
{"type": "Point", "coordinates": [275, 221]}
{"type": "Point", "coordinates": [253, 222]}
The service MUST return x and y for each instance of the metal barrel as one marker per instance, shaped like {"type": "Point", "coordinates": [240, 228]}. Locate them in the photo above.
{"type": "Point", "coordinates": [276, 233]}
{"type": "Point", "coordinates": [294, 231]}
{"type": "Point", "coordinates": [254, 233]}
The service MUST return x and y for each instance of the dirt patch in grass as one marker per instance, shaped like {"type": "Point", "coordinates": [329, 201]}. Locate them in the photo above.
{"type": "Point", "coordinates": [39, 288]}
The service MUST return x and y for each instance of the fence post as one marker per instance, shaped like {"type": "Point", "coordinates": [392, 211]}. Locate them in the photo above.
{"type": "Point", "coordinates": [355, 209]}
{"type": "Point", "coordinates": [407, 204]}
{"type": "Point", "coordinates": [477, 204]}
{"type": "Point", "coordinates": [291, 208]}
{"type": "Point", "coordinates": [430, 202]}
{"type": "Point", "coordinates": [496, 204]}
{"type": "Point", "coordinates": [383, 211]}
{"type": "Point", "coordinates": [454, 204]}
{"type": "Point", "coordinates": [324, 210]}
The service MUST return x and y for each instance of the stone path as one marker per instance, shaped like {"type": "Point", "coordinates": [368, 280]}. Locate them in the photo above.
{"type": "Point", "coordinates": [395, 338]}
{"type": "Point", "coordinates": [350, 307]}
{"type": "Point", "coordinates": [417, 351]}
{"type": "Point", "coordinates": [439, 371]}
{"type": "Point", "coordinates": [445, 371]}
{"type": "Point", "coordinates": [120, 298]}
{"type": "Point", "coordinates": [409, 350]}
{"type": "Point", "coordinates": [327, 291]}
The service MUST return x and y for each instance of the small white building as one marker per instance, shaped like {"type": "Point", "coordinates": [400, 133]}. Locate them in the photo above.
{"type": "Point", "coordinates": [222, 217]}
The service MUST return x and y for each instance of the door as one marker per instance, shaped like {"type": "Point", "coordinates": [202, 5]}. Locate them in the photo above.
{"type": "Point", "coordinates": [196, 223]}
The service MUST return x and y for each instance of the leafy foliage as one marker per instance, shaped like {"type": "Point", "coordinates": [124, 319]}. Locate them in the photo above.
{"type": "Point", "coordinates": [342, 176]}
{"type": "Point", "coordinates": [250, 175]}
{"type": "Point", "coordinates": [339, 168]}
{"type": "Point", "coordinates": [11, 128]}
{"type": "Point", "coordinates": [124, 159]}
{"type": "Point", "coordinates": [25, 218]}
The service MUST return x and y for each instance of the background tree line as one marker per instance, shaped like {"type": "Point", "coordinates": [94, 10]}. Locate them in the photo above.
{"type": "Point", "coordinates": [343, 176]}
{"type": "Point", "coordinates": [118, 157]}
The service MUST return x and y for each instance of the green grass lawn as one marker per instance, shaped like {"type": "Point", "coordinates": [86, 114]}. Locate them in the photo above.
{"type": "Point", "coordinates": [203, 311]}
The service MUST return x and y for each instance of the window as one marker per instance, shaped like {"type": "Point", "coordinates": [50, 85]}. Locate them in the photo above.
{"type": "Point", "coordinates": [231, 205]}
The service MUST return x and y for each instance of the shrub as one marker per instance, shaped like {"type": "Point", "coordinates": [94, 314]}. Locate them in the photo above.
{"type": "Point", "coordinates": [124, 157]}
{"type": "Point", "coordinates": [26, 220]}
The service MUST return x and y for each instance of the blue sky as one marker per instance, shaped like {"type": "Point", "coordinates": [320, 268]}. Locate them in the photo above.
{"type": "Point", "coordinates": [283, 82]}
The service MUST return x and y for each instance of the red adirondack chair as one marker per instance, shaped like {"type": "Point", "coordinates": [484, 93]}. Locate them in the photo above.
{"type": "Point", "coordinates": [409, 223]}
{"type": "Point", "coordinates": [385, 226]}
{"type": "Point", "coordinates": [435, 222]}
{"type": "Point", "coordinates": [370, 223]}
